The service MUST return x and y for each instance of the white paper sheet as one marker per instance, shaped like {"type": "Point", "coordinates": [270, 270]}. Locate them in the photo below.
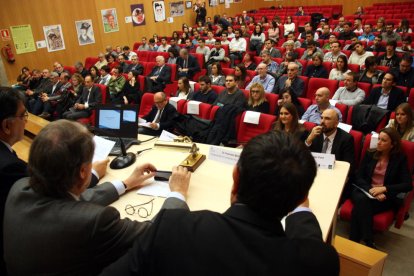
{"type": "Point", "coordinates": [102, 148]}
{"type": "Point", "coordinates": [193, 107]}
{"type": "Point", "coordinates": [167, 136]}
{"type": "Point", "coordinates": [252, 117]}
{"type": "Point", "coordinates": [173, 101]}
{"type": "Point", "coordinates": [147, 124]}
{"type": "Point", "coordinates": [363, 191]}
{"type": "Point", "coordinates": [128, 19]}
{"type": "Point", "coordinates": [333, 102]}
{"type": "Point", "coordinates": [374, 140]}
{"type": "Point", "coordinates": [156, 188]}
{"type": "Point", "coordinates": [345, 127]}
{"type": "Point", "coordinates": [140, 120]}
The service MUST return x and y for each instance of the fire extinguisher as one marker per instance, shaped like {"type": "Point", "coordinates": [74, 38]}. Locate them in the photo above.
{"type": "Point", "coordinates": [7, 53]}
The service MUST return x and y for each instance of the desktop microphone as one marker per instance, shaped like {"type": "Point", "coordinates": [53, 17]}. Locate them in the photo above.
{"type": "Point", "coordinates": [124, 160]}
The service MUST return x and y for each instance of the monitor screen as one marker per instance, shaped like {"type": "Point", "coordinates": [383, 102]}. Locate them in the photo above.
{"type": "Point", "coordinates": [117, 120]}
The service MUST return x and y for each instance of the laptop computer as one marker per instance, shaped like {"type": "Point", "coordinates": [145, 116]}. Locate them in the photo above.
{"type": "Point", "coordinates": [113, 122]}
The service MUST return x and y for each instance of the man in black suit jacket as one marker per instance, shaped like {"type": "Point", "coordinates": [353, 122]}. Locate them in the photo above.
{"type": "Point", "coordinates": [187, 65]}
{"type": "Point", "coordinates": [135, 66]}
{"type": "Point", "coordinates": [341, 143]}
{"type": "Point", "coordinates": [248, 239]}
{"type": "Point", "coordinates": [91, 96]}
{"type": "Point", "coordinates": [49, 91]}
{"type": "Point", "coordinates": [160, 117]}
{"type": "Point", "coordinates": [387, 96]}
{"type": "Point", "coordinates": [52, 211]}
{"type": "Point", "coordinates": [159, 76]}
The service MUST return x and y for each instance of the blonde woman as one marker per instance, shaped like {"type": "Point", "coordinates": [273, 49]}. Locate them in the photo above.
{"type": "Point", "coordinates": [257, 99]}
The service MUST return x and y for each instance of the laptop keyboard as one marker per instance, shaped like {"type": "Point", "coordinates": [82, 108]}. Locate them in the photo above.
{"type": "Point", "coordinates": [116, 150]}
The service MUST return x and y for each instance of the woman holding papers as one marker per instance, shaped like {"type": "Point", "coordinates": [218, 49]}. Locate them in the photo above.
{"type": "Point", "coordinates": [383, 174]}
{"type": "Point", "coordinates": [289, 121]}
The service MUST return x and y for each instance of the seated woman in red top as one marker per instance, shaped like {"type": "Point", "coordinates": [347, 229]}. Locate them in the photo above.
{"type": "Point", "coordinates": [383, 174]}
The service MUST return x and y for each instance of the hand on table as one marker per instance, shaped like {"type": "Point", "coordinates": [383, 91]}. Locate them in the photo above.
{"type": "Point", "coordinates": [139, 175]}
{"type": "Point", "coordinates": [180, 180]}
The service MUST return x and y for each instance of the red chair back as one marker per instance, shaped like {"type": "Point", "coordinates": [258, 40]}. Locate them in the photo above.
{"type": "Point", "coordinates": [147, 102]}
{"type": "Point", "coordinates": [247, 131]}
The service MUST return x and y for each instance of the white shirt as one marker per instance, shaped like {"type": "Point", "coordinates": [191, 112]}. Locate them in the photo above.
{"type": "Point", "coordinates": [237, 45]}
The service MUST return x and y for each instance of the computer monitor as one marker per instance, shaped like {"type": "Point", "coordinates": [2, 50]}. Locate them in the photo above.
{"type": "Point", "coordinates": [117, 121]}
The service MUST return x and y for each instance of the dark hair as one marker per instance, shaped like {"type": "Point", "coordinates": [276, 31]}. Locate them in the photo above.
{"type": "Point", "coordinates": [292, 94]}
{"type": "Point", "coordinates": [56, 156]}
{"type": "Point", "coordinates": [125, 48]}
{"type": "Point", "coordinates": [96, 70]}
{"type": "Point", "coordinates": [370, 61]}
{"type": "Point", "coordinates": [392, 43]}
{"type": "Point", "coordinates": [406, 108]}
{"type": "Point", "coordinates": [106, 68]}
{"type": "Point", "coordinates": [276, 171]}
{"type": "Point", "coordinates": [407, 57]}
{"type": "Point", "coordinates": [205, 79]}
{"type": "Point", "coordinates": [186, 83]}
{"type": "Point", "coordinates": [405, 25]}
{"type": "Point", "coordinates": [254, 30]}
{"type": "Point", "coordinates": [174, 51]}
{"type": "Point", "coordinates": [9, 102]}
{"type": "Point", "coordinates": [395, 141]}
{"type": "Point", "coordinates": [135, 73]}
{"type": "Point", "coordinates": [355, 76]}
{"type": "Point", "coordinates": [243, 72]}
{"type": "Point", "coordinates": [291, 108]}
{"type": "Point", "coordinates": [219, 69]}
{"type": "Point", "coordinates": [345, 60]}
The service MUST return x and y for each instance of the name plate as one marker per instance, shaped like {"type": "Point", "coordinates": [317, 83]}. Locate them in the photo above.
{"type": "Point", "coordinates": [324, 161]}
{"type": "Point", "coordinates": [224, 155]}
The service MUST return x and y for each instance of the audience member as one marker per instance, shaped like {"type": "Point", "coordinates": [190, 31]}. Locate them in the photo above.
{"type": "Point", "coordinates": [377, 46]}
{"type": "Point", "coordinates": [334, 53]}
{"type": "Point", "coordinates": [248, 62]}
{"type": "Point", "coordinates": [371, 74]}
{"type": "Point", "coordinates": [240, 74]}
{"type": "Point", "coordinates": [164, 46]}
{"type": "Point", "coordinates": [389, 33]}
{"type": "Point", "coordinates": [257, 39]}
{"type": "Point", "coordinates": [130, 91]}
{"type": "Point", "coordinates": [288, 121]}
{"type": "Point", "coordinates": [161, 116]}
{"type": "Point", "coordinates": [291, 80]}
{"type": "Point", "coordinates": [135, 66]}
{"type": "Point", "coordinates": [159, 77]}
{"type": "Point", "coordinates": [341, 69]}
{"type": "Point", "coordinates": [50, 90]}
{"type": "Point", "coordinates": [257, 99]}
{"type": "Point", "coordinates": [237, 47]}
{"type": "Point", "coordinates": [273, 32]}
{"type": "Point", "coordinates": [184, 90]}
{"type": "Point", "coordinates": [383, 174]}
{"type": "Point", "coordinates": [101, 62]}
{"type": "Point", "coordinates": [359, 54]}
{"type": "Point", "coordinates": [340, 27]}
{"type": "Point", "coordinates": [203, 49]}
{"type": "Point", "coordinates": [389, 58]}
{"type": "Point", "coordinates": [403, 122]}
{"type": "Point", "coordinates": [216, 54]}
{"type": "Point", "coordinates": [105, 76]}
{"type": "Point", "coordinates": [217, 77]}
{"type": "Point", "coordinates": [367, 35]}
{"type": "Point", "coordinates": [231, 95]}
{"type": "Point", "coordinates": [358, 30]}
{"type": "Point", "coordinates": [316, 69]}
{"type": "Point", "coordinates": [289, 26]}
{"type": "Point", "coordinates": [94, 73]}
{"type": "Point", "coordinates": [205, 94]}
{"type": "Point", "coordinates": [287, 96]}
{"type": "Point", "coordinates": [404, 75]}
{"type": "Point", "coordinates": [311, 50]}
{"type": "Point", "coordinates": [115, 85]}
{"type": "Point", "coordinates": [91, 95]}
{"type": "Point", "coordinates": [269, 46]}
{"type": "Point", "coordinates": [271, 65]}
{"type": "Point", "coordinates": [350, 94]}
{"type": "Point", "coordinates": [387, 96]}
{"type": "Point", "coordinates": [173, 55]}
{"type": "Point", "coordinates": [403, 26]}
{"type": "Point", "coordinates": [314, 112]}
{"type": "Point", "coordinates": [347, 32]}
{"type": "Point", "coordinates": [187, 65]}
{"type": "Point", "coordinates": [264, 78]}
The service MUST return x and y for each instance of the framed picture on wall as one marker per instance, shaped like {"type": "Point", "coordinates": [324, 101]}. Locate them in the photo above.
{"type": "Point", "coordinates": [85, 33]}
{"type": "Point", "coordinates": [54, 38]}
{"type": "Point", "coordinates": [110, 20]}
{"type": "Point", "coordinates": [188, 4]}
{"type": "Point", "coordinates": [221, 1]}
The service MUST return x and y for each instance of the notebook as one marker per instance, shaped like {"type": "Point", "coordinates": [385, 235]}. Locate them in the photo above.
{"type": "Point", "coordinates": [117, 121]}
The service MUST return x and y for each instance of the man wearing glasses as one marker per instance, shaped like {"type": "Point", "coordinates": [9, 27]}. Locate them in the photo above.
{"type": "Point", "coordinates": [53, 211]}
{"type": "Point", "coordinates": [160, 117]}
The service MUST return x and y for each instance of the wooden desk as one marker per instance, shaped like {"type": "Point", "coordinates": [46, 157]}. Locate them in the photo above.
{"type": "Point", "coordinates": [211, 184]}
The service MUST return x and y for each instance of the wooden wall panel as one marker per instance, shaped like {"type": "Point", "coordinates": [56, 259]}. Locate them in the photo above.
{"type": "Point", "coordinates": [47, 12]}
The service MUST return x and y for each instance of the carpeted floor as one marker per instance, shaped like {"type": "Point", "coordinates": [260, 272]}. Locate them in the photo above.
{"type": "Point", "coordinates": [398, 243]}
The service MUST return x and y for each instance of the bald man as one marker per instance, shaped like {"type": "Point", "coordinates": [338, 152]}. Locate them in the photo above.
{"type": "Point", "coordinates": [328, 138]}
{"type": "Point", "coordinates": [265, 79]}
{"type": "Point", "coordinates": [160, 117]}
{"type": "Point", "coordinates": [314, 112]}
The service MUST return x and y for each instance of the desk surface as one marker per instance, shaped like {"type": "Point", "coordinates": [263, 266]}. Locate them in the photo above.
{"type": "Point", "coordinates": [211, 184]}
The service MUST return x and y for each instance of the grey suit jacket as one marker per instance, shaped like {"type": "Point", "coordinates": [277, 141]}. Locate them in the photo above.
{"type": "Point", "coordinates": [45, 235]}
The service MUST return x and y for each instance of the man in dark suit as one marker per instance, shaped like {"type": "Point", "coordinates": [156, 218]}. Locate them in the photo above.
{"type": "Point", "coordinates": [290, 80]}
{"type": "Point", "coordinates": [387, 96]}
{"type": "Point", "coordinates": [49, 91]}
{"type": "Point", "coordinates": [160, 117]}
{"type": "Point", "coordinates": [91, 96]}
{"type": "Point", "coordinates": [75, 230]}
{"type": "Point", "coordinates": [187, 65]}
{"type": "Point", "coordinates": [159, 76]}
{"type": "Point", "coordinates": [247, 239]}
{"type": "Point", "coordinates": [135, 66]}
{"type": "Point", "coordinates": [328, 138]}
{"type": "Point", "coordinates": [13, 118]}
